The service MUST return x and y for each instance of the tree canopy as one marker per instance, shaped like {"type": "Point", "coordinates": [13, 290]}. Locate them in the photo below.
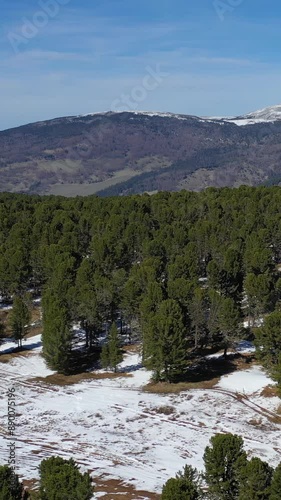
{"type": "Point", "coordinates": [186, 269]}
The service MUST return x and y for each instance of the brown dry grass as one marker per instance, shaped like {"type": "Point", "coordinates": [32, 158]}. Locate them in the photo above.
{"type": "Point", "coordinates": [115, 489]}
{"type": "Point", "coordinates": [165, 410]}
{"type": "Point", "coordinates": [278, 411]}
{"type": "Point", "coordinates": [6, 358]}
{"type": "Point", "coordinates": [63, 380]}
{"type": "Point", "coordinates": [135, 348]}
{"type": "Point", "coordinates": [270, 391]}
{"type": "Point", "coordinates": [166, 388]}
{"type": "Point", "coordinates": [110, 489]}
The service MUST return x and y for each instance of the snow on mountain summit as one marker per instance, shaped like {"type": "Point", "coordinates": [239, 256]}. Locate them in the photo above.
{"type": "Point", "coordinates": [269, 114]}
{"type": "Point", "coordinates": [139, 112]}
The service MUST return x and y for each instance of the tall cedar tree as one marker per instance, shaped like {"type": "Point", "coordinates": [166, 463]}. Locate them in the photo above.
{"type": "Point", "coordinates": [10, 486]}
{"type": "Point", "coordinates": [19, 319]}
{"type": "Point", "coordinates": [214, 301]}
{"type": "Point", "coordinates": [104, 357]}
{"type": "Point", "coordinates": [198, 316]}
{"type": "Point", "coordinates": [88, 311]}
{"type": "Point", "coordinates": [268, 343]}
{"type": "Point", "coordinates": [62, 479]}
{"type": "Point", "coordinates": [168, 330]}
{"type": "Point", "coordinates": [255, 480]}
{"type": "Point", "coordinates": [228, 323]}
{"type": "Point", "coordinates": [276, 484]}
{"type": "Point", "coordinates": [2, 331]}
{"type": "Point", "coordinates": [185, 486]}
{"type": "Point", "coordinates": [56, 333]}
{"type": "Point", "coordinates": [148, 308]}
{"type": "Point", "coordinates": [258, 292]}
{"type": "Point", "coordinates": [224, 460]}
{"type": "Point", "coordinates": [111, 354]}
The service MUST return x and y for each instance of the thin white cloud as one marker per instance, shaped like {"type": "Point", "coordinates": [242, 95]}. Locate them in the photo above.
{"type": "Point", "coordinates": [51, 56]}
{"type": "Point", "coordinates": [223, 61]}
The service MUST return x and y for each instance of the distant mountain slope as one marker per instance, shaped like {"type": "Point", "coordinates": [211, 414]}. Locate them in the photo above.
{"type": "Point", "coordinates": [119, 153]}
{"type": "Point", "coordinates": [266, 115]}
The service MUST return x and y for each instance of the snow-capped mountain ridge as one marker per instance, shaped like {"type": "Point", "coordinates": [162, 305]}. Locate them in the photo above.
{"type": "Point", "coordinates": [269, 114]}
{"type": "Point", "coordinates": [142, 113]}
{"type": "Point", "coordinates": [265, 115]}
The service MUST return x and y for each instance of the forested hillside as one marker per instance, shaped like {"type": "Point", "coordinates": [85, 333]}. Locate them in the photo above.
{"type": "Point", "coordinates": [183, 269]}
{"type": "Point", "coordinates": [135, 152]}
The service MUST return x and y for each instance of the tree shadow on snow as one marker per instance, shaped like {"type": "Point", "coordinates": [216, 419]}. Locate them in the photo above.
{"type": "Point", "coordinates": [16, 349]}
{"type": "Point", "coordinates": [208, 369]}
{"type": "Point", "coordinates": [130, 368]}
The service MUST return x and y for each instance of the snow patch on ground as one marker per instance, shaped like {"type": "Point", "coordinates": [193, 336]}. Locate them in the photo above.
{"type": "Point", "coordinates": [110, 426]}
{"type": "Point", "coordinates": [246, 381]}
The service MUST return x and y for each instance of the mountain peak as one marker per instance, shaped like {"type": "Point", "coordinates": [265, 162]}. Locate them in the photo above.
{"type": "Point", "coordinates": [269, 114]}
{"type": "Point", "coordinates": [141, 113]}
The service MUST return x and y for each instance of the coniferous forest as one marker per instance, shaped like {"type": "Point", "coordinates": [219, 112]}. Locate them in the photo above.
{"type": "Point", "coordinates": [184, 274]}
{"type": "Point", "coordinates": [182, 271]}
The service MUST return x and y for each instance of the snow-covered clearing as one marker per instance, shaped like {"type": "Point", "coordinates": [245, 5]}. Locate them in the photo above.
{"type": "Point", "coordinates": [113, 428]}
{"type": "Point", "coordinates": [246, 381]}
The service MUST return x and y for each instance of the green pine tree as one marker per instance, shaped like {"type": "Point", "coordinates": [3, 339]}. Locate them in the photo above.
{"type": "Point", "coordinates": [268, 343]}
{"type": "Point", "coordinates": [56, 333]}
{"type": "Point", "coordinates": [19, 320]}
{"type": "Point", "coordinates": [198, 316]}
{"type": "Point", "coordinates": [275, 488]}
{"type": "Point", "coordinates": [185, 486]}
{"type": "Point", "coordinates": [255, 480]}
{"type": "Point", "coordinates": [114, 348]}
{"type": "Point", "coordinates": [228, 323]}
{"type": "Point", "coordinates": [105, 362]}
{"type": "Point", "coordinates": [170, 349]}
{"type": "Point", "coordinates": [62, 480]}
{"type": "Point", "coordinates": [224, 460]}
{"type": "Point", "coordinates": [10, 486]}
{"type": "Point", "coordinates": [148, 308]}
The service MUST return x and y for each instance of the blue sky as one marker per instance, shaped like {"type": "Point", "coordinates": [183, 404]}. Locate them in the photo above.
{"type": "Point", "coordinates": [69, 57]}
